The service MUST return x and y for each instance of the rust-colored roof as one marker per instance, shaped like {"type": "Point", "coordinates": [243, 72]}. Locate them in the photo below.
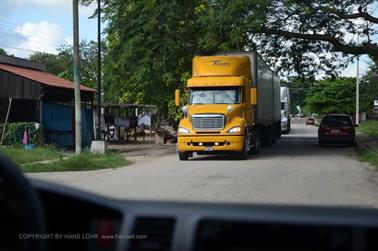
{"type": "Point", "coordinates": [43, 77]}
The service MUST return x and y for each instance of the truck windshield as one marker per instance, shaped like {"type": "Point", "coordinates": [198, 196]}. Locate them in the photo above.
{"type": "Point", "coordinates": [229, 95]}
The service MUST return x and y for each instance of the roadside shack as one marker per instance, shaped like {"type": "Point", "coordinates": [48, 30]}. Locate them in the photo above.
{"type": "Point", "coordinates": [29, 94]}
{"type": "Point", "coordinates": [121, 121]}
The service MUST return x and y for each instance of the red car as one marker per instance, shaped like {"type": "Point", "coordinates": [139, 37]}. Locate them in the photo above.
{"type": "Point", "coordinates": [336, 128]}
{"type": "Point", "coordinates": [310, 121]}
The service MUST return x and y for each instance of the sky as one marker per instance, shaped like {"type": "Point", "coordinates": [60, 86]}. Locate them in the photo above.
{"type": "Point", "coordinates": [28, 26]}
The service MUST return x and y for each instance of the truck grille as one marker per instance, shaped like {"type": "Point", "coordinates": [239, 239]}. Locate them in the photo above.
{"type": "Point", "coordinates": [208, 121]}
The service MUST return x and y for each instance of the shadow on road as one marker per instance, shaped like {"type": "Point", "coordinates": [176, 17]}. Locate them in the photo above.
{"type": "Point", "coordinates": [302, 141]}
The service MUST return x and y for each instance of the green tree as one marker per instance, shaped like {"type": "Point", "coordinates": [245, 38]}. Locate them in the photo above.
{"type": "Point", "coordinates": [3, 52]}
{"type": "Point", "coordinates": [151, 45]}
{"type": "Point", "coordinates": [369, 89]}
{"type": "Point", "coordinates": [55, 64]}
{"type": "Point", "coordinates": [332, 96]}
{"type": "Point", "coordinates": [62, 63]}
{"type": "Point", "coordinates": [299, 87]}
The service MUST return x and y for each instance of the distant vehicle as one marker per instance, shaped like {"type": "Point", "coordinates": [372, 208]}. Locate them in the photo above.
{"type": "Point", "coordinates": [310, 121]}
{"type": "Point", "coordinates": [336, 128]}
{"type": "Point", "coordinates": [285, 110]}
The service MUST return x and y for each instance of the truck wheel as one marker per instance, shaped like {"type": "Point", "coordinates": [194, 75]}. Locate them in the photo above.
{"type": "Point", "coordinates": [243, 154]}
{"type": "Point", "coordinates": [183, 155]}
{"type": "Point", "coordinates": [255, 146]}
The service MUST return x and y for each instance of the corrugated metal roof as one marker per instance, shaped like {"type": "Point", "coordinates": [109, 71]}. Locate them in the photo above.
{"type": "Point", "coordinates": [43, 77]}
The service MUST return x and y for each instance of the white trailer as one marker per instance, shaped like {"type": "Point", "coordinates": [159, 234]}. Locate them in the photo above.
{"type": "Point", "coordinates": [285, 110]}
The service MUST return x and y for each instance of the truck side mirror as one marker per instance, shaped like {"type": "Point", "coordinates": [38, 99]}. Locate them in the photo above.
{"type": "Point", "coordinates": [177, 97]}
{"type": "Point", "coordinates": [253, 96]}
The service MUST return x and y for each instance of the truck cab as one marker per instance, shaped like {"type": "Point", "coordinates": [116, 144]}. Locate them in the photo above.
{"type": "Point", "coordinates": [219, 114]}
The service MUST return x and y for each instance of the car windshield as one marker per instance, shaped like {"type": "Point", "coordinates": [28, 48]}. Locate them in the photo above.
{"type": "Point", "coordinates": [184, 100]}
{"type": "Point", "coordinates": [337, 121]}
{"type": "Point", "coordinates": [227, 95]}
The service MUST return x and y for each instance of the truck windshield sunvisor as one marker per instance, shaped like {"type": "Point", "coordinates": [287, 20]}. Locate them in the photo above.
{"type": "Point", "coordinates": [214, 96]}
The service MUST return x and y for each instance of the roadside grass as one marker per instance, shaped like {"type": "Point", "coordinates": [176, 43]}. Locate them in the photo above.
{"type": "Point", "coordinates": [84, 162]}
{"type": "Point", "coordinates": [370, 156]}
{"type": "Point", "coordinates": [21, 156]}
{"type": "Point", "coordinates": [369, 127]}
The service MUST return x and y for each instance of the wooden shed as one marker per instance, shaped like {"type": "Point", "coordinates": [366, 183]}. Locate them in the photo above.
{"type": "Point", "coordinates": [33, 95]}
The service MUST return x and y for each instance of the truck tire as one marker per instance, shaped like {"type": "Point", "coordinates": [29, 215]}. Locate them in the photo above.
{"type": "Point", "coordinates": [243, 154]}
{"type": "Point", "coordinates": [183, 155]}
{"type": "Point", "coordinates": [255, 149]}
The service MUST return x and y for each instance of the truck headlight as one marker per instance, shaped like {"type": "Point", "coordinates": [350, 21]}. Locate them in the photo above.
{"type": "Point", "coordinates": [183, 130]}
{"type": "Point", "coordinates": [235, 129]}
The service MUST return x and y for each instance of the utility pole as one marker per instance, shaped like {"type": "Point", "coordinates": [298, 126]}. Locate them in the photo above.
{"type": "Point", "coordinates": [99, 70]}
{"type": "Point", "coordinates": [358, 86]}
{"type": "Point", "coordinates": [76, 56]}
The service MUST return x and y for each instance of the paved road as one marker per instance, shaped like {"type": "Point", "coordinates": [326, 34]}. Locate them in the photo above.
{"type": "Point", "coordinates": [294, 171]}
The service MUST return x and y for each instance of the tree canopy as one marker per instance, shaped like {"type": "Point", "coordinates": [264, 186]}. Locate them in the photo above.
{"type": "Point", "coordinates": [369, 89]}
{"type": "Point", "coordinates": [62, 64]}
{"type": "Point", "coordinates": [2, 52]}
{"type": "Point", "coordinates": [151, 43]}
{"type": "Point", "coordinates": [332, 96]}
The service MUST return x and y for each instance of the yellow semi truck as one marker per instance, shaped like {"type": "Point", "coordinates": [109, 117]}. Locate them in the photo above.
{"type": "Point", "coordinates": [233, 106]}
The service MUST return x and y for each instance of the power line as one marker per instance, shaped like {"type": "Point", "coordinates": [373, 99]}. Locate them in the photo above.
{"type": "Point", "coordinates": [29, 32]}
{"type": "Point", "coordinates": [22, 49]}
{"type": "Point", "coordinates": [12, 26]}
{"type": "Point", "coordinates": [14, 37]}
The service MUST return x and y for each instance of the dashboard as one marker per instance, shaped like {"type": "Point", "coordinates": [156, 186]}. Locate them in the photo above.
{"type": "Point", "coordinates": [78, 220]}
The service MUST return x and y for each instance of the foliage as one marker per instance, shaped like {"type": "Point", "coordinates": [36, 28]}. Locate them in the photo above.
{"type": "Point", "coordinates": [55, 64]}
{"type": "Point", "coordinates": [2, 52]}
{"type": "Point", "coordinates": [175, 112]}
{"type": "Point", "coordinates": [299, 88]}
{"type": "Point", "coordinates": [369, 127]}
{"type": "Point", "coordinates": [20, 155]}
{"type": "Point", "coordinates": [332, 96]}
{"type": "Point", "coordinates": [369, 89]}
{"type": "Point", "coordinates": [151, 43]}
{"type": "Point", "coordinates": [14, 133]}
{"type": "Point", "coordinates": [150, 49]}
{"type": "Point", "coordinates": [370, 156]}
{"type": "Point", "coordinates": [84, 162]}
{"type": "Point", "coordinates": [302, 37]}
{"type": "Point", "coordinates": [62, 63]}
{"type": "Point", "coordinates": [297, 36]}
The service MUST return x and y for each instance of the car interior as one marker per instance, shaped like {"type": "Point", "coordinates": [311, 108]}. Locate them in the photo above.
{"type": "Point", "coordinates": [40, 216]}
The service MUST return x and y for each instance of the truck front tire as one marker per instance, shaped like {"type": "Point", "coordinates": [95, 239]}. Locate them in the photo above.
{"type": "Point", "coordinates": [243, 154]}
{"type": "Point", "coordinates": [183, 155]}
{"type": "Point", "coordinates": [255, 145]}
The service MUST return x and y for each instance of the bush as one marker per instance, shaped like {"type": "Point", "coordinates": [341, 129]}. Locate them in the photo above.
{"type": "Point", "coordinates": [14, 133]}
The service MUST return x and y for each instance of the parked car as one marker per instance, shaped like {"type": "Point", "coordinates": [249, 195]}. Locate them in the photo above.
{"type": "Point", "coordinates": [336, 128]}
{"type": "Point", "coordinates": [310, 121]}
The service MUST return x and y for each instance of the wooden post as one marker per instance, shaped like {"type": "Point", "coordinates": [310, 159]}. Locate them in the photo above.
{"type": "Point", "coordinates": [76, 59]}
{"type": "Point", "coordinates": [6, 120]}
